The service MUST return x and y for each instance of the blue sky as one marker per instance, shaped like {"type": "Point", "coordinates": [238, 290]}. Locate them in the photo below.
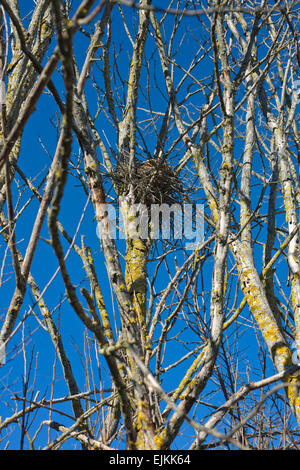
{"type": "Point", "coordinates": [34, 160]}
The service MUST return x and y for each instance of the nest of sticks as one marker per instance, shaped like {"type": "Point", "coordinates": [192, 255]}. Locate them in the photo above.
{"type": "Point", "coordinates": [153, 182]}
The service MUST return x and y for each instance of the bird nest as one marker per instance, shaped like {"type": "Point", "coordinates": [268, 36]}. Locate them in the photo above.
{"type": "Point", "coordinates": [152, 182]}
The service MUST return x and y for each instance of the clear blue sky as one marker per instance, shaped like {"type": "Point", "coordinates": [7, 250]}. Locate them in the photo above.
{"type": "Point", "coordinates": [34, 161]}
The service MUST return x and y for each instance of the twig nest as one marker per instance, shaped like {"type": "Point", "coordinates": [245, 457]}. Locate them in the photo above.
{"type": "Point", "coordinates": [152, 181]}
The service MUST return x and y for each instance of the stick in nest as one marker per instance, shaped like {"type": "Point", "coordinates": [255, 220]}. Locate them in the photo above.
{"type": "Point", "coordinates": [153, 182]}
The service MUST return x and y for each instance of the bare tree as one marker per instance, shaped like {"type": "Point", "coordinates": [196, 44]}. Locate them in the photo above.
{"type": "Point", "coordinates": [149, 194]}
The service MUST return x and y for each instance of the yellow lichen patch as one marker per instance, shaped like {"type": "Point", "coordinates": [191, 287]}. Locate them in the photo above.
{"type": "Point", "coordinates": [144, 427]}
{"type": "Point", "coordinates": [86, 256]}
{"type": "Point", "coordinates": [135, 278]}
{"type": "Point", "coordinates": [271, 332]}
{"type": "Point", "coordinates": [261, 310]}
{"type": "Point", "coordinates": [293, 394]}
{"type": "Point", "coordinates": [187, 380]}
{"type": "Point", "coordinates": [159, 439]}
{"type": "Point", "coordinates": [214, 209]}
{"type": "Point", "coordinates": [257, 300]}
